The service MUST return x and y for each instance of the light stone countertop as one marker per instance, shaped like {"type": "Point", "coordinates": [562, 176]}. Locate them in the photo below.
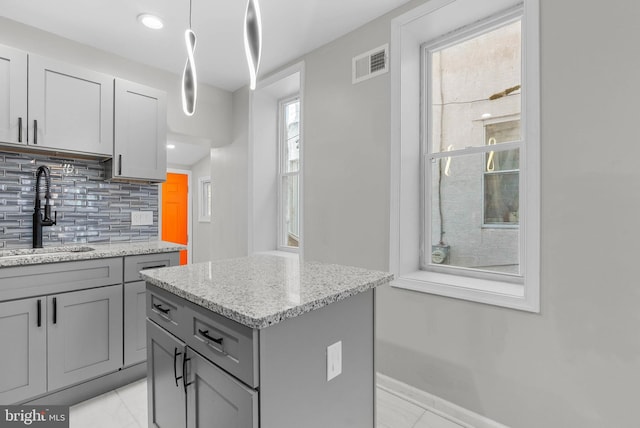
{"type": "Point", "coordinates": [262, 290]}
{"type": "Point", "coordinates": [28, 256]}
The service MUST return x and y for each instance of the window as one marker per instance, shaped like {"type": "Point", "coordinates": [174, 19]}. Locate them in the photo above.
{"type": "Point", "coordinates": [470, 170]}
{"type": "Point", "coordinates": [204, 190]}
{"type": "Point", "coordinates": [465, 102]}
{"type": "Point", "coordinates": [289, 174]}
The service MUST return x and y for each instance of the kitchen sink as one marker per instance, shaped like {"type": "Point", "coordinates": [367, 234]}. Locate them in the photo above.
{"type": "Point", "coordinates": [32, 252]}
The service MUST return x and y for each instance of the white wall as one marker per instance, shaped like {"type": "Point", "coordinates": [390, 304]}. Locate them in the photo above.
{"type": "Point", "coordinates": [213, 115]}
{"type": "Point", "coordinates": [576, 364]}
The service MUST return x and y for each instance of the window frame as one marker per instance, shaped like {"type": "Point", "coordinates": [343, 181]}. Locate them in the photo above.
{"type": "Point", "coordinates": [406, 249]}
{"type": "Point", "coordinates": [281, 174]}
{"type": "Point", "coordinates": [204, 200]}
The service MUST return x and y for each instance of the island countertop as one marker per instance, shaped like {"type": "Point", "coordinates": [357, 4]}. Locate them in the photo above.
{"type": "Point", "coordinates": [262, 290]}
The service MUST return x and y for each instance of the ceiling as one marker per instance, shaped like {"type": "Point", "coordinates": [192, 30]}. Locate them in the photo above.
{"type": "Point", "coordinates": [291, 28]}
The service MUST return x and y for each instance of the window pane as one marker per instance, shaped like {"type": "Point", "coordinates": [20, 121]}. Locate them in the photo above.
{"type": "Point", "coordinates": [291, 146]}
{"type": "Point", "coordinates": [471, 82]}
{"type": "Point", "coordinates": [501, 204]}
{"type": "Point", "coordinates": [458, 210]}
{"type": "Point", "coordinates": [290, 212]}
{"type": "Point", "coordinates": [207, 198]}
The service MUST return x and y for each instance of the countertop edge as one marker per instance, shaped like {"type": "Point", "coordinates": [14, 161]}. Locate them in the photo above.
{"type": "Point", "coordinates": [271, 319]}
{"type": "Point", "coordinates": [100, 251]}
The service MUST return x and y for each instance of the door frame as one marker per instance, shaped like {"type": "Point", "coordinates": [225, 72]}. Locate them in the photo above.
{"type": "Point", "coordinates": [189, 210]}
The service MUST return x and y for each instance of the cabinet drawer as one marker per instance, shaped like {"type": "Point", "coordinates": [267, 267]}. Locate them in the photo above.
{"type": "Point", "coordinates": [230, 345]}
{"type": "Point", "coordinates": [134, 264]}
{"type": "Point", "coordinates": [165, 309]}
{"type": "Point", "coordinates": [37, 280]}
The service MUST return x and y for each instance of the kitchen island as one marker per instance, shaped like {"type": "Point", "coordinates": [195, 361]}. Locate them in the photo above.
{"type": "Point", "coordinates": [262, 341]}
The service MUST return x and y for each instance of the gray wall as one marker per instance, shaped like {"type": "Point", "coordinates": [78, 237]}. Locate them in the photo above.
{"type": "Point", "coordinates": [90, 210]}
{"type": "Point", "coordinates": [577, 363]}
{"type": "Point", "coordinates": [230, 177]}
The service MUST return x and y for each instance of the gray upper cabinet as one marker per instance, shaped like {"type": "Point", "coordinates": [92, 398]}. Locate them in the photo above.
{"type": "Point", "coordinates": [140, 151]}
{"type": "Point", "coordinates": [70, 108]}
{"type": "Point", "coordinates": [84, 335]}
{"type": "Point", "coordinates": [13, 93]}
{"type": "Point", "coordinates": [23, 360]}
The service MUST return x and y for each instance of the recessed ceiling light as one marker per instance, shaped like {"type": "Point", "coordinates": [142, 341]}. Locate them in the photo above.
{"type": "Point", "coordinates": [171, 146]}
{"type": "Point", "coordinates": [150, 21]}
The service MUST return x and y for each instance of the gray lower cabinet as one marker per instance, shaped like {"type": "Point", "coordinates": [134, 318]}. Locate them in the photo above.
{"type": "Point", "coordinates": [59, 340]}
{"type": "Point", "coordinates": [215, 399]}
{"type": "Point", "coordinates": [187, 390]}
{"type": "Point", "coordinates": [23, 361]}
{"type": "Point", "coordinates": [167, 398]}
{"type": "Point", "coordinates": [135, 333]}
{"type": "Point", "coordinates": [84, 335]}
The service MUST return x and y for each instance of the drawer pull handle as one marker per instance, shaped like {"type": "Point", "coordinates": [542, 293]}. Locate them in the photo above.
{"type": "Point", "coordinates": [205, 334]}
{"type": "Point", "coordinates": [175, 370]}
{"type": "Point", "coordinates": [153, 267]}
{"type": "Point", "coordinates": [161, 309]}
{"type": "Point", "coordinates": [184, 371]}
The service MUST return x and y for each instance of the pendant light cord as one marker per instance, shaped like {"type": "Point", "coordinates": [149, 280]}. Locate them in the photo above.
{"type": "Point", "coordinates": [190, 2]}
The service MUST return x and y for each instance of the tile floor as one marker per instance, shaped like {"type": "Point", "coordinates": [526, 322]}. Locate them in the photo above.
{"type": "Point", "coordinates": [126, 407]}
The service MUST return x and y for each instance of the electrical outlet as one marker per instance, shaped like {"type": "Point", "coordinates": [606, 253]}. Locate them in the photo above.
{"type": "Point", "coordinates": [334, 360]}
{"type": "Point", "coordinates": [146, 217]}
{"type": "Point", "coordinates": [135, 218]}
{"type": "Point", "coordinates": [141, 218]}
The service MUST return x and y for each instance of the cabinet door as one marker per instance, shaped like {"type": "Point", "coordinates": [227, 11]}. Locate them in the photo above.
{"type": "Point", "coordinates": [13, 93]}
{"type": "Point", "coordinates": [84, 335]}
{"type": "Point", "coordinates": [216, 400]}
{"type": "Point", "coordinates": [135, 327]}
{"type": "Point", "coordinates": [70, 108]}
{"type": "Point", "coordinates": [140, 144]}
{"type": "Point", "coordinates": [23, 360]}
{"type": "Point", "coordinates": [166, 394]}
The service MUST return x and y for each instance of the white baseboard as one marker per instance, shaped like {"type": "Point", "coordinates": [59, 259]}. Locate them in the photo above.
{"type": "Point", "coordinates": [437, 405]}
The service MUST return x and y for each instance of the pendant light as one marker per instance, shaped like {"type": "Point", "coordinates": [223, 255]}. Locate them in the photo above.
{"type": "Point", "coordinates": [189, 78]}
{"type": "Point", "coordinates": [253, 39]}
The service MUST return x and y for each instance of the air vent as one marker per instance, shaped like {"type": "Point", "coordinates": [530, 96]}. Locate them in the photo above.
{"type": "Point", "coordinates": [370, 64]}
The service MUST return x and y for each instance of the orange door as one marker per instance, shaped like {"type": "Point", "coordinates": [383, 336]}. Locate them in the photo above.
{"type": "Point", "coordinates": [175, 211]}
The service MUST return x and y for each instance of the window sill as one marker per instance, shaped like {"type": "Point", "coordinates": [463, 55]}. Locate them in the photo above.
{"type": "Point", "coordinates": [490, 292]}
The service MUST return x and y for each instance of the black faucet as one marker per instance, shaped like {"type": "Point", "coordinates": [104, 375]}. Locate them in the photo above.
{"type": "Point", "coordinates": [38, 220]}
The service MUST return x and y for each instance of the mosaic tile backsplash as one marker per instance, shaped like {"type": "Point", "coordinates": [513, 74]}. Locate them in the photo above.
{"type": "Point", "coordinates": [90, 210]}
